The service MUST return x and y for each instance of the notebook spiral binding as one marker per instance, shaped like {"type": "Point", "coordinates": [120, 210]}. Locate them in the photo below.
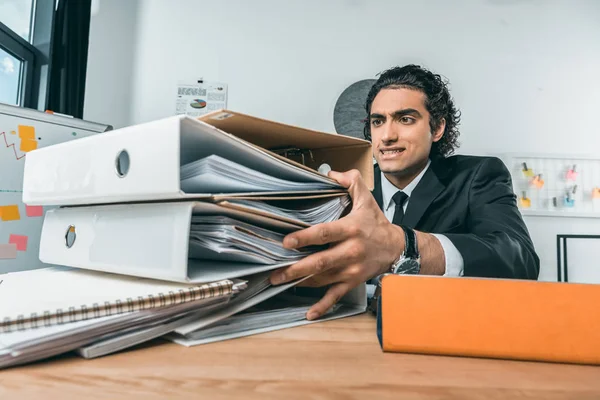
{"type": "Point", "coordinates": [95, 310]}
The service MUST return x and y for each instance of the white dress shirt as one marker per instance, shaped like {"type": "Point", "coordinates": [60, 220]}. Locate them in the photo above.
{"type": "Point", "coordinates": [454, 260]}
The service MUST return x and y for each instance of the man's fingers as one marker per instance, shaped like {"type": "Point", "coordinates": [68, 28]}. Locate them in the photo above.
{"type": "Point", "coordinates": [333, 295]}
{"type": "Point", "coordinates": [316, 263]}
{"type": "Point", "coordinates": [320, 280]}
{"type": "Point", "coordinates": [319, 234]}
{"type": "Point", "coordinates": [358, 190]}
{"type": "Point", "coordinates": [343, 178]}
{"type": "Point", "coordinates": [343, 228]}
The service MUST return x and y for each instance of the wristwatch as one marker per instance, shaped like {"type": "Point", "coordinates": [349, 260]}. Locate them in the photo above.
{"type": "Point", "coordinates": [410, 259]}
{"type": "Point", "coordinates": [408, 263]}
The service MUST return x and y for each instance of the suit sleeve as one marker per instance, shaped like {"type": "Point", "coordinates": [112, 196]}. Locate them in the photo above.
{"type": "Point", "coordinates": [497, 243]}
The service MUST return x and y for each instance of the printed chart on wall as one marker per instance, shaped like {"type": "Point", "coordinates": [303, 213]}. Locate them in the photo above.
{"type": "Point", "coordinates": [23, 131]}
{"type": "Point", "coordinates": [195, 99]}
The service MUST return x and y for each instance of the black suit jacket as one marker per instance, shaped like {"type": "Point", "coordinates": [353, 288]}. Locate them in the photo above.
{"type": "Point", "coordinates": [471, 201]}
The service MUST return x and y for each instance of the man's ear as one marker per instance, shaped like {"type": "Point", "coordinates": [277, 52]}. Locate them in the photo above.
{"type": "Point", "coordinates": [437, 135]}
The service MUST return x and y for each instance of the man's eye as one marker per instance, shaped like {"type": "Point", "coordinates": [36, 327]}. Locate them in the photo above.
{"type": "Point", "coordinates": [406, 120]}
{"type": "Point", "coordinates": [376, 122]}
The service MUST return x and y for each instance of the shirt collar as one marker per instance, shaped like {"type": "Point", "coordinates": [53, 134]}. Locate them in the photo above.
{"type": "Point", "coordinates": [388, 190]}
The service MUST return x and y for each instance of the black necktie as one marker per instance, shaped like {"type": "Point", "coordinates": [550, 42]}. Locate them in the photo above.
{"type": "Point", "coordinates": [399, 198]}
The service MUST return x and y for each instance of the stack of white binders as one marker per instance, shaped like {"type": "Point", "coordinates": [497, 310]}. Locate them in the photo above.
{"type": "Point", "coordinates": [187, 202]}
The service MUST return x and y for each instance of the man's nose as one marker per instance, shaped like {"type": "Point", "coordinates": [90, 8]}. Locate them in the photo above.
{"type": "Point", "coordinates": [390, 134]}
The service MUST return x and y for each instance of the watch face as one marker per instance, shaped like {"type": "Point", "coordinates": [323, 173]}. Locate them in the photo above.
{"type": "Point", "coordinates": [408, 266]}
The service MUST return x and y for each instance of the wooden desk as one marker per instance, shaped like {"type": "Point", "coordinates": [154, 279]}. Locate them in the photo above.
{"type": "Point", "coordinates": [338, 359]}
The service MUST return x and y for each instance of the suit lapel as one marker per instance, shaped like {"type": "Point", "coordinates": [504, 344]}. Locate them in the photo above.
{"type": "Point", "coordinates": [377, 193]}
{"type": "Point", "coordinates": [422, 196]}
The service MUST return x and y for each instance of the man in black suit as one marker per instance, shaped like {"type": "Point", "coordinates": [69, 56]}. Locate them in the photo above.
{"type": "Point", "coordinates": [429, 213]}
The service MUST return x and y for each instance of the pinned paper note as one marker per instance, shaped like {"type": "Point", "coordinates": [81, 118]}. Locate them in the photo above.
{"type": "Point", "coordinates": [526, 171]}
{"type": "Point", "coordinates": [572, 173]}
{"type": "Point", "coordinates": [28, 145]}
{"type": "Point", "coordinates": [34, 211]}
{"type": "Point", "coordinates": [28, 139]}
{"type": "Point", "coordinates": [8, 251]}
{"type": "Point", "coordinates": [569, 201]}
{"type": "Point", "coordinates": [537, 181]}
{"type": "Point", "coordinates": [26, 132]}
{"type": "Point", "coordinates": [20, 241]}
{"type": "Point", "coordinates": [10, 213]}
{"type": "Point", "coordinates": [596, 193]}
{"type": "Point", "coordinates": [524, 201]}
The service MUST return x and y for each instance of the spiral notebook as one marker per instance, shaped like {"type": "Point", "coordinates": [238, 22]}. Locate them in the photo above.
{"type": "Point", "coordinates": [56, 295]}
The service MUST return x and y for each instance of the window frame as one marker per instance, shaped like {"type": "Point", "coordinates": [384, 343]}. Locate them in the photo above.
{"type": "Point", "coordinates": [35, 56]}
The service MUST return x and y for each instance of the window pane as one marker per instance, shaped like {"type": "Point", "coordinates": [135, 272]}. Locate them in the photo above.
{"type": "Point", "coordinates": [10, 75]}
{"type": "Point", "coordinates": [16, 14]}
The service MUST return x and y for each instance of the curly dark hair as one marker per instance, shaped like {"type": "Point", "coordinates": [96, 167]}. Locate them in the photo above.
{"type": "Point", "coordinates": [438, 102]}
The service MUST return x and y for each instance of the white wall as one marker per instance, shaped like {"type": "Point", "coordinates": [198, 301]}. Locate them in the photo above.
{"type": "Point", "coordinates": [108, 95]}
{"type": "Point", "coordinates": [523, 72]}
{"type": "Point", "coordinates": [583, 254]}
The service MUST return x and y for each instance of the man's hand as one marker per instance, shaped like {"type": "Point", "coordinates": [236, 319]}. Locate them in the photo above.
{"type": "Point", "coordinates": [363, 244]}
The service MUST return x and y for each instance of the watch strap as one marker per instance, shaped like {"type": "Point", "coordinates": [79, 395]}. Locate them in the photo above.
{"type": "Point", "coordinates": [411, 249]}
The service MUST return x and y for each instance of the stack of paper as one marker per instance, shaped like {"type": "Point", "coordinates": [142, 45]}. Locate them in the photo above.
{"type": "Point", "coordinates": [255, 285]}
{"type": "Point", "coordinates": [215, 174]}
{"type": "Point", "coordinates": [226, 239]}
{"type": "Point", "coordinates": [187, 203]}
{"type": "Point", "coordinates": [52, 296]}
{"type": "Point", "coordinates": [306, 213]}
{"type": "Point", "coordinates": [257, 289]}
{"type": "Point", "coordinates": [250, 321]}
{"type": "Point", "coordinates": [24, 346]}
{"type": "Point", "coordinates": [49, 311]}
{"type": "Point", "coordinates": [276, 314]}
{"type": "Point", "coordinates": [274, 307]}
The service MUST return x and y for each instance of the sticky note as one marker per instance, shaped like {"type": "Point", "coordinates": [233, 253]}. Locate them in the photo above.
{"type": "Point", "coordinates": [28, 145]}
{"type": "Point", "coordinates": [596, 193]}
{"type": "Point", "coordinates": [525, 202]}
{"type": "Point", "coordinates": [528, 173]}
{"type": "Point", "coordinates": [34, 211]}
{"type": "Point", "coordinates": [537, 181]}
{"type": "Point", "coordinates": [571, 175]}
{"type": "Point", "coordinates": [18, 240]}
{"type": "Point", "coordinates": [569, 202]}
{"type": "Point", "coordinates": [8, 251]}
{"type": "Point", "coordinates": [10, 213]}
{"type": "Point", "coordinates": [26, 132]}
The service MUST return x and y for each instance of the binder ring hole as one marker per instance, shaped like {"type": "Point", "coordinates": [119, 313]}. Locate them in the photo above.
{"type": "Point", "coordinates": [122, 163]}
{"type": "Point", "coordinates": [70, 236]}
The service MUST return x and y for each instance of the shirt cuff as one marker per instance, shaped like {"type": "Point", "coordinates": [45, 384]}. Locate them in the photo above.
{"type": "Point", "coordinates": [454, 260]}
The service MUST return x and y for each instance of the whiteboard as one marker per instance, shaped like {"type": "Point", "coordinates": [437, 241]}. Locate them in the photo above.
{"type": "Point", "coordinates": [21, 131]}
{"type": "Point", "coordinates": [569, 187]}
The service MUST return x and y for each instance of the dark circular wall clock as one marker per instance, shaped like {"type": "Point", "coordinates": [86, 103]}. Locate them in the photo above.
{"type": "Point", "coordinates": [349, 112]}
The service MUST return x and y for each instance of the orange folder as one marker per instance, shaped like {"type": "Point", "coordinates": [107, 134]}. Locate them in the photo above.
{"type": "Point", "coordinates": [491, 318]}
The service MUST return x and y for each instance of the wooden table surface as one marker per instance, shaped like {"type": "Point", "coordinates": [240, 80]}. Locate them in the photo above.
{"type": "Point", "coordinates": [331, 360]}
